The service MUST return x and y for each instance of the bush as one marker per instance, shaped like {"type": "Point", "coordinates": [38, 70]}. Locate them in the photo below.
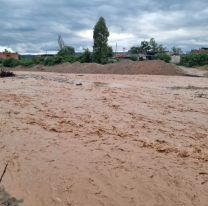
{"type": "Point", "coordinates": [85, 57]}
{"type": "Point", "coordinates": [163, 56]}
{"type": "Point", "coordinates": [110, 62]}
{"type": "Point", "coordinates": [1, 60]}
{"type": "Point", "coordinates": [49, 61]}
{"type": "Point", "coordinates": [134, 57]}
{"type": "Point", "coordinates": [67, 50]}
{"type": "Point", "coordinates": [118, 60]}
{"type": "Point", "coordinates": [194, 59]}
{"type": "Point", "coordinates": [10, 62]}
{"type": "Point", "coordinates": [69, 58]}
{"type": "Point", "coordinates": [104, 60]}
{"type": "Point", "coordinates": [38, 60]}
{"type": "Point", "coordinates": [27, 62]}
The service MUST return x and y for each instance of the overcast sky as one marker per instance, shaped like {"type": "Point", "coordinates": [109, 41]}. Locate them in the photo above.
{"type": "Point", "coordinates": [32, 26]}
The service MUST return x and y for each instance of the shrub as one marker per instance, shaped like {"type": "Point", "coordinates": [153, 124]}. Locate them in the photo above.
{"type": "Point", "coordinates": [163, 56]}
{"type": "Point", "coordinates": [49, 61]}
{"type": "Point", "coordinates": [118, 60]}
{"type": "Point", "coordinates": [110, 62]}
{"type": "Point", "coordinates": [67, 50]}
{"type": "Point", "coordinates": [10, 62]}
{"type": "Point", "coordinates": [86, 56]}
{"type": "Point", "coordinates": [69, 58]}
{"type": "Point", "coordinates": [134, 57]}
{"type": "Point", "coordinates": [27, 62]}
{"type": "Point", "coordinates": [194, 59]}
{"type": "Point", "coordinates": [38, 60]}
{"type": "Point", "coordinates": [1, 60]}
{"type": "Point", "coordinates": [56, 60]}
{"type": "Point", "coordinates": [104, 60]}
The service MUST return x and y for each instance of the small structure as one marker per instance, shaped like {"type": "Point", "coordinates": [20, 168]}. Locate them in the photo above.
{"type": "Point", "coordinates": [6, 55]}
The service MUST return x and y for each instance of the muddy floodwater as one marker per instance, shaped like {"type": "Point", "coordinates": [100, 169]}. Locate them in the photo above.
{"type": "Point", "coordinates": [104, 140]}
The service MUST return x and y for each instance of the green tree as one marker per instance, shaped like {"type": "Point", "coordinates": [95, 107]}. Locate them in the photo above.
{"type": "Point", "coordinates": [176, 50]}
{"type": "Point", "coordinates": [100, 36]}
{"type": "Point", "coordinates": [66, 50]}
{"type": "Point", "coordinates": [153, 45]}
{"type": "Point", "coordinates": [161, 49]}
{"type": "Point", "coordinates": [135, 50]}
{"type": "Point", "coordinates": [110, 51]}
{"type": "Point", "coordinates": [145, 46]}
{"type": "Point", "coordinates": [86, 56]}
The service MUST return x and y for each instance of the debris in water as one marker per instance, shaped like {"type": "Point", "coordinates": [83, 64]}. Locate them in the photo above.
{"type": "Point", "coordinates": [4, 73]}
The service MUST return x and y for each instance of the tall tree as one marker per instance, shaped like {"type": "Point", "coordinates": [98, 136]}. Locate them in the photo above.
{"type": "Point", "coordinates": [61, 42]}
{"type": "Point", "coordinates": [100, 36]}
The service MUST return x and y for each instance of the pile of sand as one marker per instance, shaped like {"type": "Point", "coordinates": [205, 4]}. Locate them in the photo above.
{"type": "Point", "coordinates": [155, 67]}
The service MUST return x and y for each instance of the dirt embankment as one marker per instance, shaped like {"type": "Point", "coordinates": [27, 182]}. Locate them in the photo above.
{"type": "Point", "coordinates": [155, 67]}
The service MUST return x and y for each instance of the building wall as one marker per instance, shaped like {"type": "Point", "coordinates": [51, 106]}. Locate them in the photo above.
{"type": "Point", "coordinates": [8, 55]}
{"type": "Point", "coordinates": [175, 59]}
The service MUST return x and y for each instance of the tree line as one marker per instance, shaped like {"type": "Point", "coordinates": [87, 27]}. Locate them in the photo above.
{"type": "Point", "coordinates": [152, 46]}
{"type": "Point", "coordinates": [102, 51]}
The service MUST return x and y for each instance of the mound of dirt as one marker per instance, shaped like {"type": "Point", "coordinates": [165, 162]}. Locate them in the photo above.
{"type": "Point", "coordinates": [155, 67]}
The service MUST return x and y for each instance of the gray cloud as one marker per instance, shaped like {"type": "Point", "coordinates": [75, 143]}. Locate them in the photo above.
{"type": "Point", "coordinates": [33, 25]}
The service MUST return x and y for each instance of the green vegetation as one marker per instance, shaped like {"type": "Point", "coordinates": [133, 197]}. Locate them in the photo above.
{"type": "Point", "coordinates": [86, 56]}
{"type": "Point", "coordinates": [66, 50]}
{"type": "Point", "coordinates": [100, 48]}
{"type": "Point", "coordinates": [11, 62]}
{"type": "Point", "coordinates": [134, 57]}
{"type": "Point", "coordinates": [110, 51]}
{"type": "Point", "coordinates": [163, 56]}
{"type": "Point", "coordinates": [194, 59]}
{"type": "Point", "coordinates": [148, 46]}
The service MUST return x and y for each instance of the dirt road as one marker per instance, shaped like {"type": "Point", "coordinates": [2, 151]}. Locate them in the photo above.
{"type": "Point", "coordinates": [104, 139]}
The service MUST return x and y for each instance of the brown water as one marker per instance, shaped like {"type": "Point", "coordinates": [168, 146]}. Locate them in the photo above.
{"type": "Point", "coordinates": [144, 144]}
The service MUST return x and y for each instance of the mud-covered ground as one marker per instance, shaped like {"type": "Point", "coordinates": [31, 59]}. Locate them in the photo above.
{"type": "Point", "coordinates": [104, 139]}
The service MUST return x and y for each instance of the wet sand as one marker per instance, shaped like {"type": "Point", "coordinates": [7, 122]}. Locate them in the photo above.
{"type": "Point", "coordinates": [133, 140]}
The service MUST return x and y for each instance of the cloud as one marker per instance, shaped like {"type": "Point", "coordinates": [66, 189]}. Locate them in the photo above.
{"type": "Point", "coordinates": [33, 26]}
{"type": "Point", "coordinates": [2, 48]}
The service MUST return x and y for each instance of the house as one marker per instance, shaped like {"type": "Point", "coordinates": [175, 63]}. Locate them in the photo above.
{"type": "Point", "coordinates": [202, 49]}
{"type": "Point", "coordinates": [6, 55]}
